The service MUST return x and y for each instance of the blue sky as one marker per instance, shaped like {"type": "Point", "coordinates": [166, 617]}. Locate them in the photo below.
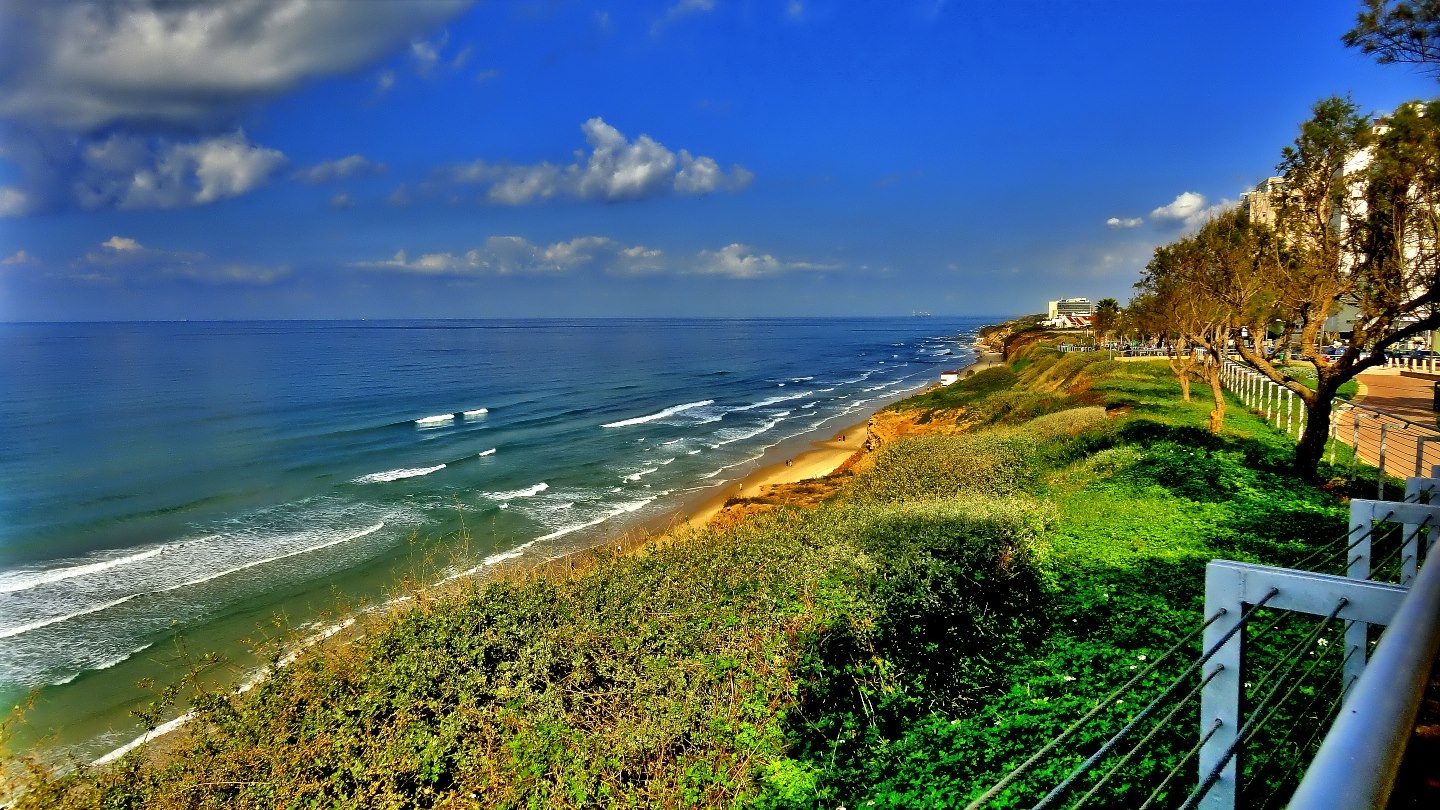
{"type": "Point", "coordinates": [443, 158]}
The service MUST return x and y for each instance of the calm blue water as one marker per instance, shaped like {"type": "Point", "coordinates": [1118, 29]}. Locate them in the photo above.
{"type": "Point", "coordinates": [188, 481]}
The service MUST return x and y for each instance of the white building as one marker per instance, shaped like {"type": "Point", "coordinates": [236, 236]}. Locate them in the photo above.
{"type": "Point", "coordinates": [1071, 306]}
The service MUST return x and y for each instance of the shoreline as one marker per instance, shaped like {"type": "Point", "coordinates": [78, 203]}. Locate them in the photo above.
{"type": "Point", "coordinates": [823, 458]}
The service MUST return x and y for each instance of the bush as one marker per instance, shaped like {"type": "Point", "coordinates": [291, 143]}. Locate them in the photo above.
{"type": "Point", "coordinates": [931, 467]}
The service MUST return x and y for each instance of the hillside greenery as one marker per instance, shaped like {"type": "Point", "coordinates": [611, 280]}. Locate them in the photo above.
{"type": "Point", "coordinates": [959, 601]}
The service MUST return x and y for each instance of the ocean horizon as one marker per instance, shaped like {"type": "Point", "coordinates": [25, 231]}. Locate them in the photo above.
{"type": "Point", "coordinates": [171, 489]}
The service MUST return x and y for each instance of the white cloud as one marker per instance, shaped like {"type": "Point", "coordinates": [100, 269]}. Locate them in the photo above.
{"type": "Point", "coordinates": [487, 75]}
{"type": "Point", "coordinates": [795, 10]}
{"type": "Point", "coordinates": [1189, 211]}
{"type": "Point", "coordinates": [342, 169]}
{"type": "Point", "coordinates": [342, 200]}
{"type": "Point", "coordinates": [385, 82]}
{"type": "Point", "coordinates": [1119, 224]}
{"type": "Point", "coordinates": [741, 261]}
{"type": "Point", "coordinates": [19, 257]}
{"type": "Point", "coordinates": [13, 202]}
{"type": "Point", "coordinates": [616, 169]}
{"type": "Point", "coordinates": [126, 172]}
{"type": "Point", "coordinates": [1183, 207]}
{"type": "Point", "coordinates": [121, 259]}
{"type": "Point", "coordinates": [515, 255]}
{"type": "Point", "coordinates": [121, 244]}
{"type": "Point", "coordinates": [426, 54]}
{"type": "Point", "coordinates": [679, 11]}
{"type": "Point", "coordinates": [89, 63]}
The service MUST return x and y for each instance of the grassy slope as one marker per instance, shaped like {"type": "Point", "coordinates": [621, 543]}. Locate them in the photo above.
{"type": "Point", "coordinates": [903, 644]}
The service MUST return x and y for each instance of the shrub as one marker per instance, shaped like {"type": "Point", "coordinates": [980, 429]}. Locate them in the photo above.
{"type": "Point", "coordinates": [930, 467]}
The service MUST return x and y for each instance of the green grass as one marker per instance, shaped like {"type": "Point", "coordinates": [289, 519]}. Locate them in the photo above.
{"type": "Point", "coordinates": [902, 645]}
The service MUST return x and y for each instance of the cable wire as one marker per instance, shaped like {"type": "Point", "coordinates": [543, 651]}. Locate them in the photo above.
{"type": "Point", "coordinates": [1025, 767]}
{"type": "Point", "coordinates": [1244, 732]}
{"type": "Point", "coordinates": [1175, 769]}
{"type": "Point", "coordinates": [1164, 723]}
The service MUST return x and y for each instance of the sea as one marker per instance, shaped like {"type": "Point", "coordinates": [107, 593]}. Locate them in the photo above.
{"type": "Point", "coordinates": [177, 496]}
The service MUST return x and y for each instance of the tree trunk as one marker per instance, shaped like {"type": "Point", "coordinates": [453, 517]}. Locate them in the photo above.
{"type": "Point", "coordinates": [1311, 447]}
{"type": "Point", "coordinates": [1217, 416]}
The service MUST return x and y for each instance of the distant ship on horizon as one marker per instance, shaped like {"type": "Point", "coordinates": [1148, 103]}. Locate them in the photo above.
{"type": "Point", "coordinates": [919, 313]}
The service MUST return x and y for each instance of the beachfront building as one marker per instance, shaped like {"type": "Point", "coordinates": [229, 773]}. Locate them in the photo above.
{"type": "Point", "coordinates": [948, 377]}
{"type": "Point", "coordinates": [1071, 306]}
{"type": "Point", "coordinates": [1070, 313]}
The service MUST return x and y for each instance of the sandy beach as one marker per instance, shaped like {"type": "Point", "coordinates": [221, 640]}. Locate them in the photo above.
{"type": "Point", "coordinates": [824, 457]}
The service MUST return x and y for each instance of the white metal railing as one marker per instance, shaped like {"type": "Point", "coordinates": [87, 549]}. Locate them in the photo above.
{"type": "Point", "coordinates": [1394, 445]}
{"type": "Point", "coordinates": [1360, 755]}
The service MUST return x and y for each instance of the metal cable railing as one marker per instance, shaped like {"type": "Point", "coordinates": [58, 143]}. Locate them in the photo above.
{"type": "Point", "coordinates": [1287, 635]}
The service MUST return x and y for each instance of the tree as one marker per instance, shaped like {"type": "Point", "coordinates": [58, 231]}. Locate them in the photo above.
{"type": "Point", "coordinates": [1356, 227]}
{"type": "Point", "coordinates": [1193, 282]}
{"type": "Point", "coordinates": [1404, 31]}
{"type": "Point", "coordinates": [1107, 317]}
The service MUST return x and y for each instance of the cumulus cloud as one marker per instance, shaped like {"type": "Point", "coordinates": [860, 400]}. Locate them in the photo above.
{"type": "Point", "coordinates": [741, 261]}
{"type": "Point", "coordinates": [87, 64]}
{"type": "Point", "coordinates": [121, 244]}
{"type": "Point", "coordinates": [126, 171]}
{"type": "Point", "coordinates": [615, 169]}
{"type": "Point", "coordinates": [515, 255]}
{"type": "Point", "coordinates": [1116, 223]}
{"type": "Point", "coordinates": [1189, 211]}
{"type": "Point", "coordinates": [13, 202]}
{"type": "Point", "coordinates": [679, 11]}
{"type": "Point", "coordinates": [342, 169]}
{"type": "Point", "coordinates": [18, 257]}
{"type": "Point", "coordinates": [121, 259]}
{"type": "Point", "coordinates": [1182, 208]}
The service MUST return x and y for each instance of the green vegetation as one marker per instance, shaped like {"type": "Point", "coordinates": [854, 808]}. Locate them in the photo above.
{"type": "Point", "coordinates": [902, 645]}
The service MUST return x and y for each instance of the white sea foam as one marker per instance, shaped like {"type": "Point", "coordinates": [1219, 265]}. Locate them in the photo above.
{"type": "Point", "coordinates": [11, 632]}
{"type": "Point", "coordinates": [396, 475]}
{"type": "Point", "coordinates": [654, 417]}
{"type": "Point", "coordinates": [809, 405]}
{"type": "Point", "coordinates": [489, 452]}
{"type": "Point", "coordinates": [672, 441]}
{"type": "Point", "coordinates": [696, 451]}
{"type": "Point", "coordinates": [802, 379]}
{"type": "Point", "coordinates": [11, 582]}
{"type": "Point", "coordinates": [768, 401]}
{"type": "Point", "coordinates": [167, 727]}
{"type": "Point", "coordinates": [475, 414]}
{"type": "Point", "coordinates": [108, 663]}
{"type": "Point", "coordinates": [254, 563]}
{"type": "Point", "coordinates": [159, 731]}
{"type": "Point", "coordinates": [436, 420]}
{"type": "Point", "coordinates": [638, 475]}
{"type": "Point", "coordinates": [527, 492]}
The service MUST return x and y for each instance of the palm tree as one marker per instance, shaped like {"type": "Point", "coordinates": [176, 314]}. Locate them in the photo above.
{"type": "Point", "coordinates": [1107, 317]}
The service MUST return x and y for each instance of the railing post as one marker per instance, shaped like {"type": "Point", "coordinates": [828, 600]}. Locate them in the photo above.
{"type": "Point", "coordinates": [1220, 698]}
{"type": "Point", "coordinates": [1355, 440]}
{"type": "Point", "coordinates": [1357, 566]}
{"type": "Point", "coordinates": [1334, 427]}
{"type": "Point", "coordinates": [1380, 476]}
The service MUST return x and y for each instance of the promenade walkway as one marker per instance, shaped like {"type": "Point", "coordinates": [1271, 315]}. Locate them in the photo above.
{"type": "Point", "coordinates": [1395, 423]}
